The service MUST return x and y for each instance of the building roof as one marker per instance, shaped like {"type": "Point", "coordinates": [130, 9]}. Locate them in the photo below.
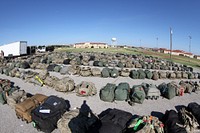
{"type": "Point", "coordinates": [82, 43]}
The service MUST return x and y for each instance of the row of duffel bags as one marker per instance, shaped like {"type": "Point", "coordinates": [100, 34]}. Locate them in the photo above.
{"type": "Point", "coordinates": [138, 93]}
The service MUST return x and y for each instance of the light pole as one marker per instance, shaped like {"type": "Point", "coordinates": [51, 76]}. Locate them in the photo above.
{"type": "Point", "coordinates": [157, 42]}
{"type": "Point", "coordinates": [170, 43]}
{"type": "Point", "coordinates": [190, 38]}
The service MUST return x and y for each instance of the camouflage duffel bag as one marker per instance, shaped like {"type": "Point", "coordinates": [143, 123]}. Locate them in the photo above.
{"type": "Point", "coordinates": [155, 75]}
{"type": "Point", "coordinates": [63, 122]}
{"type": "Point", "coordinates": [172, 75]}
{"type": "Point", "coordinates": [16, 97]}
{"type": "Point", "coordinates": [162, 75]}
{"type": "Point", "coordinates": [85, 71]}
{"type": "Point", "coordinates": [51, 81]}
{"type": "Point", "coordinates": [74, 69]}
{"type": "Point", "coordinates": [178, 75]}
{"type": "Point", "coordinates": [129, 64]}
{"type": "Point", "coordinates": [96, 72]}
{"type": "Point", "coordinates": [86, 89]}
{"type": "Point", "coordinates": [134, 74]}
{"type": "Point", "coordinates": [43, 74]}
{"type": "Point", "coordinates": [138, 65]}
{"type": "Point", "coordinates": [188, 86]}
{"type": "Point", "coordinates": [145, 124]}
{"type": "Point", "coordinates": [149, 74]}
{"type": "Point", "coordinates": [65, 84]}
{"type": "Point", "coordinates": [184, 75]}
{"type": "Point", "coordinates": [125, 72]}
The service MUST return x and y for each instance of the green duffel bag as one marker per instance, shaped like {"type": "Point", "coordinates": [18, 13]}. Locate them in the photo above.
{"type": "Point", "coordinates": [167, 90]}
{"type": "Point", "coordinates": [190, 75]}
{"type": "Point", "coordinates": [120, 64]}
{"type": "Point", "coordinates": [149, 74]}
{"type": "Point", "coordinates": [107, 93]}
{"type": "Point", "coordinates": [134, 74]}
{"type": "Point", "coordinates": [105, 64]}
{"type": "Point", "coordinates": [57, 68]}
{"type": "Point", "coordinates": [100, 64]}
{"type": "Point", "coordinates": [137, 94]}
{"type": "Point", "coordinates": [2, 97]}
{"type": "Point", "coordinates": [122, 91]}
{"type": "Point", "coordinates": [105, 73]}
{"type": "Point", "coordinates": [142, 74]}
{"type": "Point", "coordinates": [114, 73]}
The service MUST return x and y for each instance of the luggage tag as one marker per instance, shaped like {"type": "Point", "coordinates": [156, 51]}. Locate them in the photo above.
{"type": "Point", "coordinates": [45, 111]}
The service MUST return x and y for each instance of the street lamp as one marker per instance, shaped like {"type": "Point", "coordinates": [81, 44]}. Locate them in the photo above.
{"type": "Point", "coordinates": [190, 38]}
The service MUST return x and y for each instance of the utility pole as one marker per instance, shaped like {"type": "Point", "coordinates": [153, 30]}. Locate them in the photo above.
{"type": "Point", "coordinates": [170, 43]}
{"type": "Point", "coordinates": [190, 38]}
{"type": "Point", "coordinates": [157, 42]}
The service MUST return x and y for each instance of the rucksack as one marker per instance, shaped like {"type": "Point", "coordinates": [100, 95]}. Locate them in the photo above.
{"type": "Point", "coordinates": [107, 93]}
{"type": "Point", "coordinates": [85, 71]}
{"type": "Point", "coordinates": [142, 74]}
{"type": "Point", "coordinates": [86, 89]}
{"type": "Point", "coordinates": [155, 75]}
{"type": "Point", "coordinates": [114, 73]}
{"type": "Point", "coordinates": [63, 122]}
{"type": "Point", "coordinates": [122, 91]}
{"type": "Point", "coordinates": [149, 74]}
{"type": "Point", "coordinates": [195, 109]}
{"type": "Point", "coordinates": [114, 120]}
{"type": "Point", "coordinates": [137, 95]}
{"type": "Point", "coordinates": [105, 72]}
{"type": "Point", "coordinates": [172, 122]}
{"type": "Point", "coordinates": [188, 120]}
{"type": "Point", "coordinates": [134, 74]}
{"type": "Point", "coordinates": [46, 115]}
{"type": "Point", "coordinates": [65, 84]}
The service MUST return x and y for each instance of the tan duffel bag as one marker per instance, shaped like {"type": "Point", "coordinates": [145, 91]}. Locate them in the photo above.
{"type": "Point", "coordinates": [23, 109]}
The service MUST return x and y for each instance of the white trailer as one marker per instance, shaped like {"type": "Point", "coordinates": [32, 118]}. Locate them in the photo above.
{"type": "Point", "coordinates": [14, 49]}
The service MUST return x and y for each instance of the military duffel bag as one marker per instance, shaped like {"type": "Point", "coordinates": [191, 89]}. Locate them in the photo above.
{"type": "Point", "coordinates": [167, 90]}
{"type": "Point", "coordinates": [105, 73]}
{"type": "Point", "coordinates": [149, 74]}
{"type": "Point", "coordinates": [66, 61]}
{"type": "Point", "coordinates": [184, 75]}
{"type": "Point", "coordinates": [96, 72]}
{"type": "Point", "coordinates": [57, 68]}
{"type": "Point", "coordinates": [96, 63]}
{"type": "Point", "coordinates": [172, 75]}
{"type": "Point", "coordinates": [122, 91]}
{"type": "Point", "coordinates": [65, 84]}
{"type": "Point", "coordinates": [120, 64]}
{"type": "Point", "coordinates": [155, 75]}
{"type": "Point", "coordinates": [134, 74]}
{"type": "Point", "coordinates": [51, 81]}
{"type": "Point", "coordinates": [51, 67]}
{"type": "Point", "coordinates": [190, 75]}
{"type": "Point", "coordinates": [141, 73]}
{"type": "Point", "coordinates": [137, 95]}
{"type": "Point", "coordinates": [85, 89]}
{"type": "Point", "coordinates": [23, 109]}
{"type": "Point", "coordinates": [162, 75]}
{"type": "Point", "coordinates": [85, 71]}
{"type": "Point", "coordinates": [114, 73]}
{"type": "Point", "coordinates": [178, 75]}
{"type": "Point", "coordinates": [125, 72]}
{"type": "Point", "coordinates": [63, 122]}
{"type": "Point", "coordinates": [107, 93]}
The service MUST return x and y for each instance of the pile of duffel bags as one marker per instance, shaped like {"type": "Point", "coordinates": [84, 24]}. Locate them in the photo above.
{"type": "Point", "coordinates": [138, 93]}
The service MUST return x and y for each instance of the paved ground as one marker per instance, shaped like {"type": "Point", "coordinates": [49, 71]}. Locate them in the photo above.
{"type": "Point", "coordinates": [10, 124]}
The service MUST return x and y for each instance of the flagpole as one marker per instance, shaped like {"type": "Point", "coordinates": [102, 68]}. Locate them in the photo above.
{"type": "Point", "coordinates": [170, 43]}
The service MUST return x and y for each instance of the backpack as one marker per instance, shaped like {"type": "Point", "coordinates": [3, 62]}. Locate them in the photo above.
{"type": "Point", "coordinates": [107, 93]}
{"type": "Point", "coordinates": [134, 74]}
{"type": "Point", "coordinates": [85, 71]}
{"type": "Point", "coordinates": [188, 120]}
{"type": "Point", "coordinates": [105, 73]}
{"type": "Point", "coordinates": [63, 122]}
{"type": "Point", "coordinates": [195, 109]}
{"type": "Point", "coordinates": [114, 120]}
{"type": "Point", "coordinates": [122, 91]}
{"type": "Point", "coordinates": [145, 124]}
{"type": "Point", "coordinates": [86, 89]}
{"type": "Point", "coordinates": [142, 74]}
{"type": "Point", "coordinates": [155, 75]}
{"type": "Point", "coordinates": [65, 84]}
{"type": "Point", "coordinates": [149, 74]}
{"type": "Point", "coordinates": [114, 73]}
{"type": "Point", "coordinates": [23, 109]}
{"type": "Point", "coordinates": [45, 116]}
{"type": "Point", "coordinates": [137, 95]}
{"type": "Point", "coordinates": [172, 122]}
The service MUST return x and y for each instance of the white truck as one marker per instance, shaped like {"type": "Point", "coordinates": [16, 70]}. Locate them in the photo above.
{"type": "Point", "coordinates": [14, 49]}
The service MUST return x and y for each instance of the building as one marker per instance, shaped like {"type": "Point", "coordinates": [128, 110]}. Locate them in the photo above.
{"type": "Point", "coordinates": [90, 45]}
{"type": "Point", "coordinates": [197, 57]}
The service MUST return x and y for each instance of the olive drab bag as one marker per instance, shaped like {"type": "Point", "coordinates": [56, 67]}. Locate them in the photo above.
{"type": "Point", "coordinates": [167, 90]}
{"type": "Point", "coordinates": [122, 91]}
{"type": "Point", "coordinates": [86, 89]}
{"type": "Point", "coordinates": [107, 93]}
{"type": "Point", "coordinates": [114, 73]}
{"type": "Point", "coordinates": [137, 94]}
{"type": "Point", "coordinates": [105, 73]}
{"type": "Point", "coordinates": [134, 74]}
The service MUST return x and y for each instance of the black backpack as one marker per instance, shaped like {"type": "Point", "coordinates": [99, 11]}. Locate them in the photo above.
{"type": "Point", "coordinates": [195, 109]}
{"type": "Point", "coordinates": [45, 116]}
{"type": "Point", "coordinates": [172, 122]}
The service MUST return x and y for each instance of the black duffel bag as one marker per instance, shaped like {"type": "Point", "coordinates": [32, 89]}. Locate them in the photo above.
{"type": "Point", "coordinates": [45, 116]}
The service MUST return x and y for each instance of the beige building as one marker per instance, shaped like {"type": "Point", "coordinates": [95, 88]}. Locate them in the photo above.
{"type": "Point", "coordinates": [90, 45]}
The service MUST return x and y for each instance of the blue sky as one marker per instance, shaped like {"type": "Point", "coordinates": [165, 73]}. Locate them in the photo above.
{"type": "Point", "coordinates": [69, 21]}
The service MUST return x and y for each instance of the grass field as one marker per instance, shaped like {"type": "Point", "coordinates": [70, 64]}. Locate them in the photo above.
{"type": "Point", "coordinates": [178, 59]}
